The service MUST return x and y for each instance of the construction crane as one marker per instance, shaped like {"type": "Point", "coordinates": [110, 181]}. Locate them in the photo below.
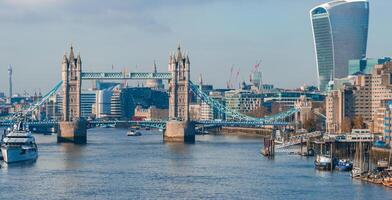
{"type": "Point", "coordinates": [229, 83]}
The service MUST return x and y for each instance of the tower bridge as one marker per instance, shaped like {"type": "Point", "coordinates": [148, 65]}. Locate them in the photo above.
{"type": "Point", "coordinates": [178, 128]}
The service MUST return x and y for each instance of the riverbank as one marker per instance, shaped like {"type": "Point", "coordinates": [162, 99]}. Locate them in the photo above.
{"type": "Point", "coordinates": [245, 132]}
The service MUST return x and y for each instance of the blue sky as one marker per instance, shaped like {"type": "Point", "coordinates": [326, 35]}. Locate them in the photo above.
{"type": "Point", "coordinates": [217, 34]}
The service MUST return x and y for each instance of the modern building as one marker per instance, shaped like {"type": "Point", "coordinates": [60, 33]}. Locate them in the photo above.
{"type": "Point", "coordinates": [365, 65]}
{"type": "Point", "coordinates": [243, 101]}
{"type": "Point", "coordinates": [101, 108]}
{"type": "Point", "coordinates": [340, 31]}
{"type": "Point", "coordinates": [87, 100]}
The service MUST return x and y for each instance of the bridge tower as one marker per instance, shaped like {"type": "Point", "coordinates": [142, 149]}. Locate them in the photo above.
{"type": "Point", "coordinates": [179, 128]}
{"type": "Point", "coordinates": [72, 127]}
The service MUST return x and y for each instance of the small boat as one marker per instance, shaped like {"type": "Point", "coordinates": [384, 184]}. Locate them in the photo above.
{"type": "Point", "coordinates": [356, 172]}
{"type": "Point", "coordinates": [19, 145]}
{"type": "Point", "coordinates": [382, 164]}
{"type": "Point", "coordinates": [323, 162]}
{"type": "Point", "coordinates": [344, 165]}
{"type": "Point", "coordinates": [134, 133]}
{"type": "Point", "coordinates": [387, 182]}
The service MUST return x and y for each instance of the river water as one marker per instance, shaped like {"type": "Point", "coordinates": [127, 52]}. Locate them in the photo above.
{"type": "Point", "coordinates": [114, 166]}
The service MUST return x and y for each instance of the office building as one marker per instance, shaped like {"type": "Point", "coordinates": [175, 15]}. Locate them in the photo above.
{"type": "Point", "coordinates": [340, 31]}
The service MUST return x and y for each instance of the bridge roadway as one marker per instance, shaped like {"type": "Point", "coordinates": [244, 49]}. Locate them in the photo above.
{"type": "Point", "coordinates": [158, 124]}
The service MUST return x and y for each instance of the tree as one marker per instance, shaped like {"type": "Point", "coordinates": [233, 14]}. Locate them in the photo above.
{"type": "Point", "coordinates": [310, 125]}
{"type": "Point", "coordinates": [346, 125]}
{"type": "Point", "coordinates": [358, 122]}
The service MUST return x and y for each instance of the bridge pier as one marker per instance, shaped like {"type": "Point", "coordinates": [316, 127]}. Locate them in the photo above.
{"type": "Point", "coordinates": [179, 131]}
{"type": "Point", "coordinates": [73, 132]}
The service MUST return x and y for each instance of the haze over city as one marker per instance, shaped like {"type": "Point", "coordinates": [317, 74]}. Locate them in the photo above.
{"type": "Point", "coordinates": [132, 34]}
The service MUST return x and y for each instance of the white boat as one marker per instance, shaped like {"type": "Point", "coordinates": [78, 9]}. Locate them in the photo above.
{"type": "Point", "coordinates": [134, 133]}
{"type": "Point", "coordinates": [356, 172]}
{"type": "Point", "coordinates": [19, 145]}
{"type": "Point", "coordinates": [323, 162]}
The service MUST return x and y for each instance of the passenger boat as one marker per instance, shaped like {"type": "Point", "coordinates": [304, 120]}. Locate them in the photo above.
{"type": "Point", "coordinates": [18, 145]}
{"type": "Point", "coordinates": [323, 162]}
{"type": "Point", "coordinates": [344, 165]}
{"type": "Point", "coordinates": [134, 133]}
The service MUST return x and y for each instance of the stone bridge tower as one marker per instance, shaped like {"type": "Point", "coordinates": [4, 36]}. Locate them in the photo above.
{"type": "Point", "coordinates": [179, 66]}
{"type": "Point", "coordinates": [72, 127]}
{"type": "Point", "coordinates": [179, 128]}
{"type": "Point", "coordinates": [71, 72]}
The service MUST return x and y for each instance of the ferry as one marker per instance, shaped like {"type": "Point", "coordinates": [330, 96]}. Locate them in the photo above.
{"type": "Point", "coordinates": [18, 145]}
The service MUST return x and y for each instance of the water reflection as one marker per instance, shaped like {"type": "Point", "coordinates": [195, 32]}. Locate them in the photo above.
{"type": "Point", "coordinates": [73, 155]}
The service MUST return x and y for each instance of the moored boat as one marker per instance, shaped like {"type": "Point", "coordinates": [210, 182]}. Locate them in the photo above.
{"type": "Point", "coordinates": [387, 182]}
{"type": "Point", "coordinates": [356, 172]}
{"type": "Point", "coordinates": [344, 165]}
{"type": "Point", "coordinates": [323, 162]}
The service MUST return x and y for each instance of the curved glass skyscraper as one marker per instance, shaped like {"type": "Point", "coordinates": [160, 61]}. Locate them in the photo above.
{"type": "Point", "coordinates": [340, 31]}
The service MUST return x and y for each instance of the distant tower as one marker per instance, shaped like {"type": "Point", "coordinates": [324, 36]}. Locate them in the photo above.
{"type": "Point", "coordinates": [155, 83]}
{"type": "Point", "coordinates": [179, 66]}
{"type": "Point", "coordinates": [71, 76]}
{"type": "Point", "coordinates": [10, 82]}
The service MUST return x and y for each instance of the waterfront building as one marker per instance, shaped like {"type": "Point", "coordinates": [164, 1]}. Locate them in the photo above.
{"type": "Point", "coordinates": [115, 103]}
{"type": "Point", "coordinates": [209, 113]}
{"type": "Point", "coordinates": [194, 111]}
{"type": "Point", "coordinates": [387, 121]}
{"type": "Point", "coordinates": [53, 108]}
{"type": "Point", "coordinates": [340, 31]}
{"type": "Point", "coordinates": [87, 100]}
{"type": "Point", "coordinates": [285, 99]}
{"type": "Point", "coordinates": [102, 106]}
{"type": "Point", "coordinates": [365, 65]}
{"type": "Point", "coordinates": [243, 101]}
{"type": "Point", "coordinates": [336, 110]}
{"type": "Point", "coordinates": [151, 113]}
{"type": "Point", "coordinates": [368, 92]}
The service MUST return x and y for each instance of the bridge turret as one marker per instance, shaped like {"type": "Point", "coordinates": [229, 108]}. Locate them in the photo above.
{"type": "Point", "coordinates": [179, 66]}
{"type": "Point", "coordinates": [79, 63]}
{"type": "Point", "coordinates": [72, 128]}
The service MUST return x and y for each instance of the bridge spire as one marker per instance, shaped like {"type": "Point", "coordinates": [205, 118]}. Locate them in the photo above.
{"type": "Point", "coordinates": [71, 55]}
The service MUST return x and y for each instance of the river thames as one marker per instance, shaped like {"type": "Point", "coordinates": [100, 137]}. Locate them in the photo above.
{"type": "Point", "coordinates": [114, 166]}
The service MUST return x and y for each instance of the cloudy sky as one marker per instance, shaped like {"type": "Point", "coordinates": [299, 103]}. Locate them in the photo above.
{"type": "Point", "coordinates": [218, 34]}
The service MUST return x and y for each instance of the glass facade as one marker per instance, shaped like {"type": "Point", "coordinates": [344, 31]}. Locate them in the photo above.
{"type": "Point", "coordinates": [340, 30]}
{"type": "Point", "coordinates": [365, 65]}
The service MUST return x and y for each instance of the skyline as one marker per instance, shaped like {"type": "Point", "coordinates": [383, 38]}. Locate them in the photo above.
{"type": "Point", "coordinates": [137, 33]}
